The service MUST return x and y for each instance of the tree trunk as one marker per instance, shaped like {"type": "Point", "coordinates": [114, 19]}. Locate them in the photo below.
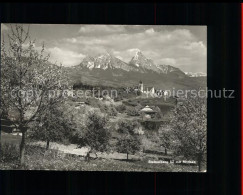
{"type": "Point", "coordinates": [0, 143]}
{"type": "Point", "coordinates": [22, 148]}
{"type": "Point", "coordinates": [199, 161]}
{"type": "Point", "coordinates": [47, 144]}
{"type": "Point", "coordinates": [0, 139]}
{"type": "Point", "coordinates": [165, 151]}
{"type": "Point", "coordinates": [87, 157]}
{"type": "Point", "coordinates": [127, 156]}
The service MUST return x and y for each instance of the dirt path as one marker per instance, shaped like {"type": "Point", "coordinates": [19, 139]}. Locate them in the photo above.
{"type": "Point", "coordinates": [73, 149]}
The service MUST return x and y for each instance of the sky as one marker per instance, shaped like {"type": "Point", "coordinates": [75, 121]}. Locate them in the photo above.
{"type": "Point", "coordinates": [184, 47]}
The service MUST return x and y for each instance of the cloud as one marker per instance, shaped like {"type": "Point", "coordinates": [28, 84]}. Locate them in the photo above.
{"type": "Point", "coordinates": [167, 61]}
{"type": "Point", "coordinates": [101, 29]}
{"type": "Point", "coordinates": [178, 47]}
{"type": "Point", "coordinates": [150, 31]}
{"type": "Point", "coordinates": [71, 40]}
{"type": "Point", "coordinates": [66, 57]}
{"type": "Point", "coordinates": [133, 50]}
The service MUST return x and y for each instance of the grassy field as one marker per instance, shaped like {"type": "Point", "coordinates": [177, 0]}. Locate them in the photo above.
{"type": "Point", "coordinates": [9, 138]}
{"type": "Point", "coordinates": [37, 158]}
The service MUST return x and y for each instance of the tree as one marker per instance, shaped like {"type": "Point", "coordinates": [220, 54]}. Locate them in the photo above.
{"type": "Point", "coordinates": [129, 141]}
{"type": "Point", "coordinates": [165, 138]}
{"type": "Point", "coordinates": [190, 128]}
{"type": "Point", "coordinates": [128, 144]}
{"type": "Point", "coordinates": [53, 125]}
{"type": "Point", "coordinates": [95, 134]}
{"type": "Point", "coordinates": [110, 110]}
{"type": "Point", "coordinates": [27, 78]}
{"type": "Point", "coordinates": [127, 127]}
{"type": "Point", "coordinates": [158, 114]}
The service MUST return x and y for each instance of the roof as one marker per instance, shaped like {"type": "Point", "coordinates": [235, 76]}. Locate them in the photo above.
{"type": "Point", "coordinates": [148, 109]}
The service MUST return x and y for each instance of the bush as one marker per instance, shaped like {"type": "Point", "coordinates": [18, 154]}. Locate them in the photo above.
{"type": "Point", "coordinates": [132, 112]}
{"type": "Point", "coordinates": [119, 98]}
{"type": "Point", "coordinates": [127, 127]}
{"type": "Point", "coordinates": [93, 102]}
{"type": "Point", "coordinates": [131, 103]}
{"type": "Point", "coordinates": [104, 108]}
{"type": "Point", "coordinates": [158, 114]}
{"type": "Point", "coordinates": [121, 108]}
{"type": "Point", "coordinates": [151, 125]}
{"type": "Point", "coordinates": [112, 111]}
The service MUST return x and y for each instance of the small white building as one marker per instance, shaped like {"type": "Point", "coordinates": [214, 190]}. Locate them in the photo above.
{"type": "Point", "coordinates": [147, 113]}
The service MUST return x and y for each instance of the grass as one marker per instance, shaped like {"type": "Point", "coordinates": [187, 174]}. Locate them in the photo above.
{"type": "Point", "coordinates": [37, 158]}
{"type": "Point", "coordinates": [9, 138]}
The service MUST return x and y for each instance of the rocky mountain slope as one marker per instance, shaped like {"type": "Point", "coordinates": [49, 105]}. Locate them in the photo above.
{"type": "Point", "coordinates": [106, 69]}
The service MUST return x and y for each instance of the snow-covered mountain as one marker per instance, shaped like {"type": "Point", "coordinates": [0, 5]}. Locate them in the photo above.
{"type": "Point", "coordinates": [138, 63]}
{"type": "Point", "coordinates": [197, 74]}
{"type": "Point", "coordinates": [108, 70]}
{"type": "Point", "coordinates": [105, 61]}
{"type": "Point", "coordinates": [143, 63]}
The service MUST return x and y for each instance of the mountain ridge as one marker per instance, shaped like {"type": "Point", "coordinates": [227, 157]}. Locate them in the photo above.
{"type": "Point", "coordinates": [106, 69]}
{"type": "Point", "coordinates": [137, 63]}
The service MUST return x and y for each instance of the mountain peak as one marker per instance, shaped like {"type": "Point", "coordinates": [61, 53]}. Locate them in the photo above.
{"type": "Point", "coordinates": [105, 54]}
{"type": "Point", "coordinates": [138, 63]}
{"type": "Point", "coordinates": [104, 61]}
{"type": "Point", "coordinates": [138, 55]}
{"type": "Point", "coordinates": [139, 60]}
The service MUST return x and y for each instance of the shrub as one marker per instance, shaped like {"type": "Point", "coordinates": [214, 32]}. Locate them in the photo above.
{"type": "Point", "coordinates": [151, 125]}
{"type": "Point", "coordinates": [158, 114]}
{"type": "Point", "coordinates": [117, 99]}
{"type": "Point", "coordinates": [132, 112]}
{"type": "Point", "coordinates": [127, 127]}
{"type": "Point", "coordinates": [121, 108]}
{"type": "Point", "coordinates": [104, 108]}
{"type": "Point", "coordinates": [112, 111]}
{"type": "Point", "coordinates": [93, 102]}
{"type": "Point", "coordinates": [132, 103]}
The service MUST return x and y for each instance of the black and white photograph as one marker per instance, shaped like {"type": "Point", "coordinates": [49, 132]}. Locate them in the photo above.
{"type": "Point", "coordinates": [95, 97]}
